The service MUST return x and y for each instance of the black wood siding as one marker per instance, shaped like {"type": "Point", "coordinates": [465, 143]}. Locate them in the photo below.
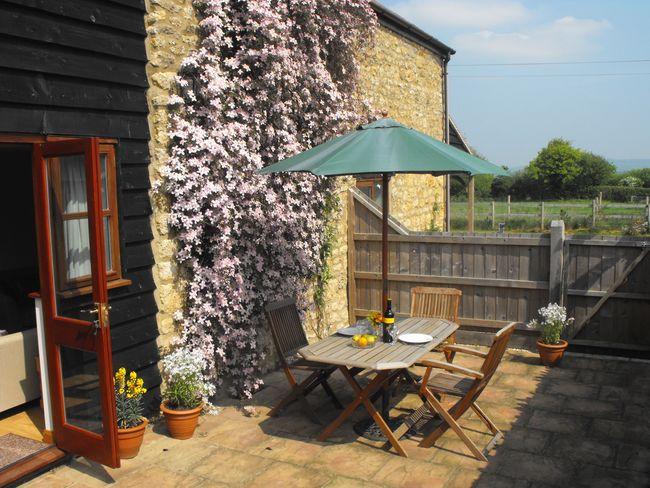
{"type": "Point", "coordinates": [77, 67]}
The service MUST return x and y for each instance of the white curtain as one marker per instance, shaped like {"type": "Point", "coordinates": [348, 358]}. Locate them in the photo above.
{"type": "Point", "coordinates": [75, 231]}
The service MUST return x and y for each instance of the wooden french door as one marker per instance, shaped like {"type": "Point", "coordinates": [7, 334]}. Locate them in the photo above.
{"type": "Point", "coordinates": [69, 193]}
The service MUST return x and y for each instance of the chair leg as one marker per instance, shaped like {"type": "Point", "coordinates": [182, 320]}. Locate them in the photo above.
{"type": "Point", "coordinates": [486, 420]}
{"type": "Point", "coordinates": [436, 407]}
{"type": "Point", "coordinates": [328, 389]}
{"type": "Point", "coordinates": [297, 393]}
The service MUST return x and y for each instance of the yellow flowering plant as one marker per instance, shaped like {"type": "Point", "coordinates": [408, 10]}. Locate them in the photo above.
{"type": "Point", "coordinates": [128, 398]}
{"type": "Point", "coordinates": [376, 319]}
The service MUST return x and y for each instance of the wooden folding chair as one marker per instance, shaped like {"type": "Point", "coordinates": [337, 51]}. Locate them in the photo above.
{"type": "Point", "coordinates": [463, 383]}
{"type": "Point", "coordinates": [440, 303]}
{"type": "Point", "coordinates": [288, 337]}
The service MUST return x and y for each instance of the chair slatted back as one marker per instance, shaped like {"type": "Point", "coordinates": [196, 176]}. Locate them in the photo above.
{"type": "Point", "coordinates": [440, 303]}
{"type": "Point", "coordinates": [496, 352]}
{"type": "Point", "coordinates": [286, 328]}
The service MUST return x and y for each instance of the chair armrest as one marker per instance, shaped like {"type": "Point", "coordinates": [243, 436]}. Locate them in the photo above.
{"type": "Point", "coordinates": [453, 368]}
{"type": "Point", "coordinates": [464, 350]}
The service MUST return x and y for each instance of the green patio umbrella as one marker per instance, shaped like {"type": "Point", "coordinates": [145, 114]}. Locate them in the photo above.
{"type": "Point", "coordinates": [384, 147]}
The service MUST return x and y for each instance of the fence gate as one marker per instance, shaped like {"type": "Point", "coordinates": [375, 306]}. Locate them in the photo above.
{"type": "Point", "coordinates": [603, 281]}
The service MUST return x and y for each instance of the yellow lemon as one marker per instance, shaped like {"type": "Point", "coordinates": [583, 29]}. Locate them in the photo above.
{"type": "Point", "coordinates": [363, 342]}
{"type": "Point", "coordinates": [371, 339]}
{"type": "Point", "coordinates": [356, 337]}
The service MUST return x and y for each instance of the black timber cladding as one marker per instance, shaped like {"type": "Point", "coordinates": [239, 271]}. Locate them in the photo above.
{"type": "Point", "coordinates": [77, 67]}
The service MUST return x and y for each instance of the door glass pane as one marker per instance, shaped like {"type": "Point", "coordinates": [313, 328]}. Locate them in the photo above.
{"type": "Point", "coordinates": [107, 243]}
{"type": "Point", "coordinates": [81, 392]}
{"type": "Point", "coordinates": [70, 236]}
{"type": "Point", "coordinates": [102, 160]}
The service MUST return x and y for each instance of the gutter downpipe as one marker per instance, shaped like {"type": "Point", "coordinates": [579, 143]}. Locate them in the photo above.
{"type": "Point", "coordinates": [447, 180]}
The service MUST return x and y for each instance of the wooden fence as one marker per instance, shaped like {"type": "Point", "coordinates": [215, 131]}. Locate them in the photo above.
{"type": "Point", "coordinates": [603, 281]}
{"type": "Point", "coordinates": [596, 211]}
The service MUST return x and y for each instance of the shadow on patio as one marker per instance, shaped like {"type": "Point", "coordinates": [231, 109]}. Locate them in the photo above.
{"type": "Point", "coordinates": [582, 424]}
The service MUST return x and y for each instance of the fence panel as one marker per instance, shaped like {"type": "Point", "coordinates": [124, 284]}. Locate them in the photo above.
{"type": "Point", "coordinates": [507, 277]}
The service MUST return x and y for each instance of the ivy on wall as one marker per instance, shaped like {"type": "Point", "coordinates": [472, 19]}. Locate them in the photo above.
{"type": "Point", "coordinates": [269, 79]}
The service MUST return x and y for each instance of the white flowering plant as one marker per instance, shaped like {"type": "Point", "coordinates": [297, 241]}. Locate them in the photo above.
{"type": "Point", "coordinates": [551, 323]}
{"type": "Point", "coordinates": [266, 81]}
{"type": "Point", "coordinates": [186, 385]}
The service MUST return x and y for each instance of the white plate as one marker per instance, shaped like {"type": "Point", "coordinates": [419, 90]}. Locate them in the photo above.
{"type": "Point", "coordinates": [354, 330]}
{"type": "Point", "coordinates": [415, 338]}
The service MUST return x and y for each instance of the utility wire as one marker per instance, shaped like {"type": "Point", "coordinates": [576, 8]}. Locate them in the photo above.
{"type": "Point", "coordinates": [554, 75]}
{"type": "Point", "coordinates": [536, 63]}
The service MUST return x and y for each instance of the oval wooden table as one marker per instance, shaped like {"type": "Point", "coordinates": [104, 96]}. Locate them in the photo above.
{"type": "Point", "coordinates": [387, 360]}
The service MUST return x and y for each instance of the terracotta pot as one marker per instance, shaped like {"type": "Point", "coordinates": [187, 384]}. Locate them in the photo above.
{"type": "Point", "coordinates": [181, 423]}
{"type": "Point", "coordinates": [551, 354]}
{"type": "Point", "coordinates": [129, 440]}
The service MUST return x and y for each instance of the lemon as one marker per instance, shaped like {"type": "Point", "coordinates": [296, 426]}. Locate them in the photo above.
{"type": "Point", "coordinates": [356, 337]}
{"type": "Point", "coordinates": [371, 339]}
{"type": "Point", "coordinates": [362, 342]}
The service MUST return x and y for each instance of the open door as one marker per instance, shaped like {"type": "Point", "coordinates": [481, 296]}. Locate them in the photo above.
{"type": "Point", "coordinates": [70, 198]}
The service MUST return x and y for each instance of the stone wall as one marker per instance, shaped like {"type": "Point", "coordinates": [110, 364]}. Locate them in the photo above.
{"type": "Point", "coordinates": [397, 76]}
{"type": "Point", "coordinates": [171, 35]}
{"type": "Point", "coordinates": [404, 80]}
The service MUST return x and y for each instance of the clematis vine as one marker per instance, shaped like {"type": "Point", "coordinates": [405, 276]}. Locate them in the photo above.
{"type": "Point", "coordinates": [269, 78]}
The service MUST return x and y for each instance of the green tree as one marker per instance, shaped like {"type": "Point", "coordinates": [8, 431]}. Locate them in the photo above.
{"type": "Point", "coordinates": [556, 167]}
{"type": "Point", "coordinates": [594, 170]}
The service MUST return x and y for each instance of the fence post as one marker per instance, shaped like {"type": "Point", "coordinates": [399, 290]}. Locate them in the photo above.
{"type": "Point", "coordinates": [470, 204]}
{"type": "Point", "coordinates": [556, 265]}
{"type": "Point", "coordinates": [542, 217]}
{"type": "Point", "coordinates": [647, 213]}
{"type": "Point", "coordinates": [508, 207]}
{"type": "Point", "coordinates": [494, 216]}
{"type": "Point", "coordinates": [600, 198]}
{"type": "Point", "coordinates": [352, 285]}
{"type": "Point", "coordinates": [594, 212]}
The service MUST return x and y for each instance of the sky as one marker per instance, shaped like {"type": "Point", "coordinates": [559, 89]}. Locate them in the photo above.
{"type": "Point", "coordinates": [508, 115]}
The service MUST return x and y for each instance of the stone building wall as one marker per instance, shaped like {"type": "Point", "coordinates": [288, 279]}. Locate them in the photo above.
{"type": "Point", "coordinates": [171, 35]}
{"type": "Point", "coordinates": [397, 76]}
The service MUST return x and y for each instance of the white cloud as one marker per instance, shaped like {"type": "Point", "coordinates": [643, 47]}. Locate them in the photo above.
{"type": "Point", "coordinates": [561, 39]}
{"type": "Point", "coordinates": [477, 14]}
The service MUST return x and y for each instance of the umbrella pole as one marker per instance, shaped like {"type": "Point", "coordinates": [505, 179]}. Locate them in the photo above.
{"type": "Point", "coordinates": [384, 240]}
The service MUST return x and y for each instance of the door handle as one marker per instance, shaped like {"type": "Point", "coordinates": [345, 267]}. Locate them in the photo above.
{"type": "Point", "coordinates": [97, 323]}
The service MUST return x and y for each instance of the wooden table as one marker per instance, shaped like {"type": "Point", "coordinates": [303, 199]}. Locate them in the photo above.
{"type": "Point", "coordinates": [387, 360]}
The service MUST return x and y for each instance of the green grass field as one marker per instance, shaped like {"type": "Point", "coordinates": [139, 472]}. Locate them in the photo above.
{"type": "Point", "coordinates": [611, 217]}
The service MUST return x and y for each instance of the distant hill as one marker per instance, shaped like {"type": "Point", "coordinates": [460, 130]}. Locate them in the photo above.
{"type": "Point", "coordinates": [623, 165]}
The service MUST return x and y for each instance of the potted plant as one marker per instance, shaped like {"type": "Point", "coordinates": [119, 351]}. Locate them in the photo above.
{"type": "Point", "coordinates": [185, 390]}
{"type": "Point", "coordinates": [131, 424]}
{"type": "Point", "coordinates": [551, 323]}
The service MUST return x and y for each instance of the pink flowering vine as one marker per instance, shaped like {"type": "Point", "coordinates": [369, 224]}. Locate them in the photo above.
{"type": "Point", "coordinates": [268, 79]}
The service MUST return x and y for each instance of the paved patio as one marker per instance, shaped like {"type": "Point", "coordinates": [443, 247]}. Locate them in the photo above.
{"type": "Point", "coordinates": [585, 423]}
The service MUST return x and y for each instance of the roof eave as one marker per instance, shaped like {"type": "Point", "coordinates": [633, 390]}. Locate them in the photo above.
{"type": "Point", "coordinates": [400, 25]}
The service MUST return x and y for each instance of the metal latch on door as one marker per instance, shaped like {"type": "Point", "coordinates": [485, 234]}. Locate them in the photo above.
{"type": "Point", "coordinates": [100, 308]}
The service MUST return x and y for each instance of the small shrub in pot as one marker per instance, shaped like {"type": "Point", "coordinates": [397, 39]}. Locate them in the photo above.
{"type": "Point", "coordinates": [131, 424]}
{"type": "Point", "coordinates": [553, 320]}
{"type": "Point", "coordinates": [186, 389]}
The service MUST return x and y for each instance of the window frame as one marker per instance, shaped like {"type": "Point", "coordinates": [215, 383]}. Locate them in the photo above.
{"type": "Point", "coordinates": [83, 285]}
{"type": "Point", "coordinates": [369, 182]}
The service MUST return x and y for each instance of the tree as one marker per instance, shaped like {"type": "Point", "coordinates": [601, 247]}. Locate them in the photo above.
{"type": "Point", "coordinates": [556, 167]}
{"type": "Point", "coordinates": [594, 170]}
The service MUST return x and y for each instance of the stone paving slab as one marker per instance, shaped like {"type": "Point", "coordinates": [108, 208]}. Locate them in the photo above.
{"type": "Point", "coordinates": [584, 423]}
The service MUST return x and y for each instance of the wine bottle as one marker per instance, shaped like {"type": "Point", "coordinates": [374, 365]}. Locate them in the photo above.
{"type": "Point", "coordinates": [389, 322]}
